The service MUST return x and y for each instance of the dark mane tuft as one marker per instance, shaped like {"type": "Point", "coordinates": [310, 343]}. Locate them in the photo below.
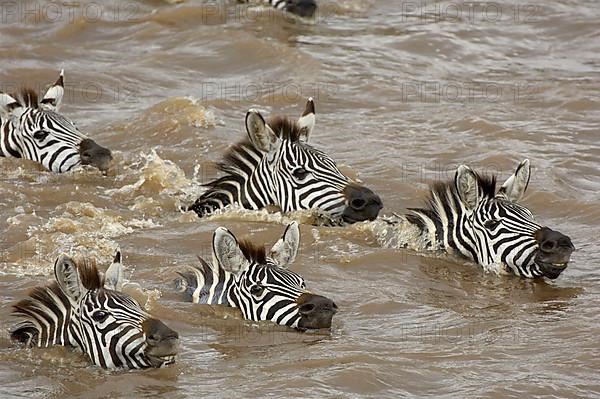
{"type": "Point", "coordinates": [285, 128]}
{"type": "Point", "coordinates": [90, 277]}
{"type": "Point", "coordinates": [253, 252]}
{"type": "Point", "coordinates": [28, 98]}
{"type": "Point", "coordinates": [487, 186]}
{"type": "Point", "coordinates": [444, 190]}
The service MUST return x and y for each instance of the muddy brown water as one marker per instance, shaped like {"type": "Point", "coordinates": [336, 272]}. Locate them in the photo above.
{"type": "Point", "coordinates": [405, 92]}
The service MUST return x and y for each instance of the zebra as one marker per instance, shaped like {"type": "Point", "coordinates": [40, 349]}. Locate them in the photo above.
{"type": "Point", "coordinates": [277, 167]}
{"type": "Point", "coordinates": [88, 311]}
{"type": "Point", "coordinates": [470, 217]}
{"type": "Point", "coordinates": [242, 275]}
{"type": "Point", "coordinates": [302, 8]}
{"type": "Point", "coordinates": [34, 129]}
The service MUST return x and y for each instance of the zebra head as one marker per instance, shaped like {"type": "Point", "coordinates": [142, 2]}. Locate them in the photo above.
{"type": "Point", "coordinates": [302, 8]}
{"type": "Point", "coordinates": [491, 227]}
{"type": "Point", "coordinates": [85, 310]}
{"type": "Point", "coordinates": [246, 277]}
{"type": "Point", "coordinates": [34, 129]}
{"type": "Point", "coordinates": [278, 167]}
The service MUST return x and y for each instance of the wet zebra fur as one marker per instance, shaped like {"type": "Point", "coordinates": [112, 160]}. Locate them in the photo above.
{"type": "Point", "coordinates": [277, 167]}
{"type": "Point", "coordinates": [469, 216]}
{"type": "Point", "coordinates": [86, 310]}
{"type": "Point", "coordinates": [32, 128]}
{"type": "Point", "coordinates": [302, 8]}
{"type": "Point", "coordinates": [242, 275]}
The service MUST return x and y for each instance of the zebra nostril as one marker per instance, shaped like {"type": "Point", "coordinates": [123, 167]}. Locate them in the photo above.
{"type": "Point", "coordinates": [307, 308]}
{"type": "Point", "coordinates": [549, 246]}
{"type": "Point", "coordinates": [358, 203]}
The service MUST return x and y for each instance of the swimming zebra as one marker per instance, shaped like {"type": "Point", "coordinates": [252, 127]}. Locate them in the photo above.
{"type": "Point", "coordinates": [277, 166]}
{"type": "Point", "coordinates": [86, 310]}
{"type": "Point", "coordinates": [470, 217]}
{"type": "Point", "coordinates": [33, 129]}
{"type": "Point", "coordinates": [303, 8]}
{"type": "Point", "coordinates": [244, 276]}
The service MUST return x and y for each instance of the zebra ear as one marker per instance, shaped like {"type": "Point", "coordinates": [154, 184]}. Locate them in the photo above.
{"type": "Point", "coordinates": [284, 251]}
{"type": "Point", "coordinates": [67, 276]}
{"type": "Point", "coordinates": [54, 95]}
{"type": "Point", "coordinates": [514, 187]}
{"type": "Point", "coordinates": [227, 252]}
{"type": "Point", "coordinates": [261, 135]}
{"type": "Point", "coordinates": [113, 278]}
{"type": "Point", "coordinates": [307, 120]}
{"type": "Point", "coordinates": [10, 106]}
{"type": "Point", "coordinates": [467, 186]}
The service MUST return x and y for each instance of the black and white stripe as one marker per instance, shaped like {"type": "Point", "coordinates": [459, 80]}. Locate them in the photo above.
{"type": "Point", "coordinates": [277, 167]}
{"type": "Point", "coordinates": [302, 8]}
{"type": "Point", "coordinates": [245, 277]}
{"type": "Point", "coordinates": [33, 129]}
{"type": "Point", "coordinates": [86, 311]}
{"type": "Point", "coordinates": [467, 216]}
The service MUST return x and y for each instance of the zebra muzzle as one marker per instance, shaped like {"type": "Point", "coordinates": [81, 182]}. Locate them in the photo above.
{"type": "Point", "coordinates": [94, 155]}
{"type": "Point", "coordinates": [554, 252]}
{"type": "Point", "coordinates": [316, 311]}
{"type": "Point", "coordinates": [361, 204]}
{"type": "Point", "coordinates": [161, 343]}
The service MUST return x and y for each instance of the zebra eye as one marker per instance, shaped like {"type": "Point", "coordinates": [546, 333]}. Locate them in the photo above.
{"type": "Point", "coordinates": [491, 224]}
{"type": "Point", "coordinates": [100, 316]}
{"type": "Point", "coordinates": [300, 173]}
{"type": "Point", "coordinates": [40, 135]}
{"type": "Point", "coordinates": [257, 290]}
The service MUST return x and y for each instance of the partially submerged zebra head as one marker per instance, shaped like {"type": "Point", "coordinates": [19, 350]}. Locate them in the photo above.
{"type": "Point", "coordinates": [302, 8]}
{"type": "Point", "coordinates": [469, 216]}
{"type": "Point", "coordinates": [244, 276]}
{"type": "Point", "coordinates": [33, 129]}
{"type": "Point", "coordinates": [85, 310]}
{"type": "Point", "coordinates": [277, 166]}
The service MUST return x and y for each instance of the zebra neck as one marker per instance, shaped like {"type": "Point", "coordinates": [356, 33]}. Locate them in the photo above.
{"type": "Point", "coordinates": [444, 227]}
{"type": "Point", "coordinates": [7, 140]}
{"type": "Point", "coordinates": [247, 183]}
{"type": "Point", "coordinates": [46, 319]}
{"type": "Point", "coordinates": [208, 284]}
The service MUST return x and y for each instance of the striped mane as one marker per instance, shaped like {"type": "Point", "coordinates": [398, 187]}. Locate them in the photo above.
{"type": "Point", "coordinates": [28, 98]}
{"type": "Point", "coordinates": [234, 159]}
{"type": "Point", "coordinates": [51, 296]}
{"type": "Point", "coordinates": [445, 193]}
{"type": "Point", "coordinates": [244, 157]}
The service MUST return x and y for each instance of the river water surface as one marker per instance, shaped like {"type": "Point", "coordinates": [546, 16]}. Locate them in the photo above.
{"type": "Point", "coordinates": [405, 92]}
